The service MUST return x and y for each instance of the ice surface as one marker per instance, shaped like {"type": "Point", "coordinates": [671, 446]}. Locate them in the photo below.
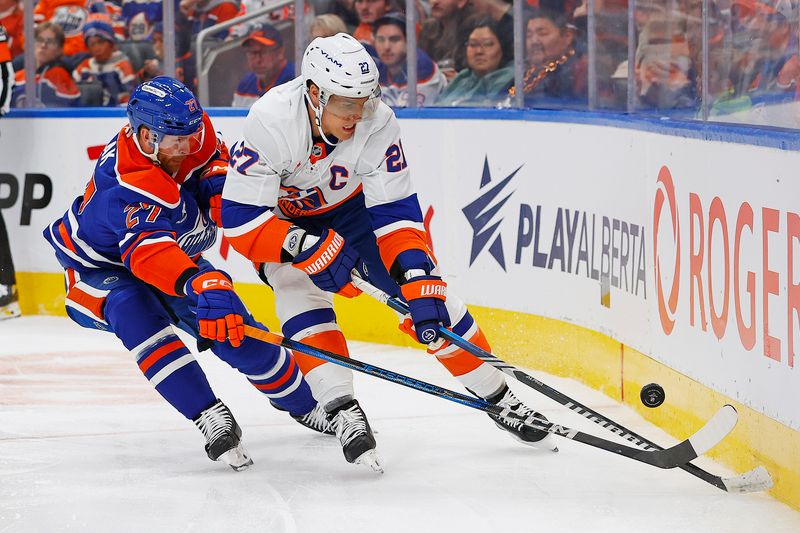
{"type": "Point", "coordinates": [86, 445]}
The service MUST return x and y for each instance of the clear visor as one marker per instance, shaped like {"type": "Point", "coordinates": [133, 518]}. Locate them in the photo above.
{"type": "Point", "coordinates": [181, 145]}
{"type": "Point", "coordinates": [353, 109]}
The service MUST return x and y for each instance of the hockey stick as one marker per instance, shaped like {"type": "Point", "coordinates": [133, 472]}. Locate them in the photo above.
{"type": "Point", "coordinates": [752, 481]}
{"type": "Point", "coordinates": [706, 438]}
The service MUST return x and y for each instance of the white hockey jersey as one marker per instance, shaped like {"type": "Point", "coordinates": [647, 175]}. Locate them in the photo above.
{"type": "Point", "coordinates": [277, 171]}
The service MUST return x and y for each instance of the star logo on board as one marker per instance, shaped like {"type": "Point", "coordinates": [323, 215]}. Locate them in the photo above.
{"type": "Point", "coordinates": [481, 215]}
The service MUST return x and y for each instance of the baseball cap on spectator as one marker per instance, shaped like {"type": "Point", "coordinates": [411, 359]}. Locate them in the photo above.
{"type": "Point", "coordinates": [398, 19]}
{"type": "Point", "coordinates": [98, 26]}
{"type": "Point", "coordinates": [265, 34]}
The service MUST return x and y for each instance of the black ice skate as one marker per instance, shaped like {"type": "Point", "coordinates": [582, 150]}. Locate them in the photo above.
{"type": "Point", "coordinates": [355, 435]}
{"type": "Point", "coordinates": [317, 419]}
{"type": "Point", "coordinates": [524, 434]}
{"type": "Point", "coordinates": [223, 436]}
{"type": "Point", "coordinates": [9, 306]}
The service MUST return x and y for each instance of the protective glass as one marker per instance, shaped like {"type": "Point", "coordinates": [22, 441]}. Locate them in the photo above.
{"type": "Point", "coordinates": [181, 145]}
{"type": "Point", "coordinates": [354, 109]}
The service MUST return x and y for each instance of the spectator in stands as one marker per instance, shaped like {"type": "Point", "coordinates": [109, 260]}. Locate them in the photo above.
{"type": "Point", "coordinates": [140, 17]}
{"type": "Point", "coordinates": [54, 85]}
{"type": "Point", "coordinates": [499, 11]}
{"type": "Point", "coordinates": [345, 10]}
{"type": "Point", "coordinates": [155, 66]}
{"type": "Point", "coordinates": [556, 73]}
{"type": "Point", "coordinates": [326, 25]}
{"type": "Point", "coordinates": [267, 63]}
{"type": "Point", "coordinates": [390, 44]}
{"type": "Point", "coordinates": [199, 15]}
{"type": "Point", "coordinates": [11, 19]}
{"type": "Point", "coordinates": [488, 75]}
{"type": "Point", "coordinates": [368, 12]}
{"type": "Point", "coordinates": [206, 13]}
{"type": "Point", "coordinates": [71, 15]}
{"type": "Point", "coordinates": [443, 35]}
{"type": "Point", "coordinates": [663, 69]}
{"type": "Point", "coordinates": [106, 65]}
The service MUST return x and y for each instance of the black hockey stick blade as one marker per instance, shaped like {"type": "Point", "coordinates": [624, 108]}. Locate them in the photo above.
{"type": "Point", "coordinates": [667, 458]}
{"type": "Point", "coordinates": [754, 480]}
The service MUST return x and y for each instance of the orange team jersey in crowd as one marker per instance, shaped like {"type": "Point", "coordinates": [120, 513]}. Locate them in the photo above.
{"type": "Point", "coordinates": [54, 87]}
{"type": "Point", "coordinates": [116, 75]}
{"type": "Point", "coordinates": [71, 15]}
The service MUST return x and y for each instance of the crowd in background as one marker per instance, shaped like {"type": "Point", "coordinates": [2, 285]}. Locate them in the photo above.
{"type": "Point", "coordinates": [93, 52]}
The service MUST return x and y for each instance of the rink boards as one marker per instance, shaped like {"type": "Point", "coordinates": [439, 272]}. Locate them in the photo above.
{"type": "Point", "coordinates": [617, 256]}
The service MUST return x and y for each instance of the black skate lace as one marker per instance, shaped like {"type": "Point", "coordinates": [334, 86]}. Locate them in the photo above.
{"type": "Point", "coordinates": [215, 421]}
{"type": "Point", "coordinates": [350, 425]}
{"type": "Point", "coordinates": [316, 418]}
{"type": "Point", "coordinates": [514, 404]}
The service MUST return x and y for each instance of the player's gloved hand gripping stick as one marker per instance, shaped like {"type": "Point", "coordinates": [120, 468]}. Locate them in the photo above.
{"type": "Point", "coordinates": [327, 260]}
{"type": "Point", "coordinates": [425, 295]}
{"type": "Point", "coordinates": [220, 312]}
{"type": "Point", "coordinates": [754, 480]}
{"type": "Point", "coordinates": [709, 435]}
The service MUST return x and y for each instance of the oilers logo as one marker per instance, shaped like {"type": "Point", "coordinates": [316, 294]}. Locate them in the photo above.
{"type": "Point", "coordinates": [70, 18]}
{"type": "Point", "coordinates": [200, 238]}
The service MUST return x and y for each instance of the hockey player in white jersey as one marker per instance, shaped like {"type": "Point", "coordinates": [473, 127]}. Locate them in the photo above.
{"type": "Point", "coordinates": [319, 185]}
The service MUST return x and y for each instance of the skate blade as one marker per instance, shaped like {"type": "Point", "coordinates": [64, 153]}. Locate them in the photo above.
{"type": "Point", "coordinates": [371, 459]}
{"type": "Point", "coordinates": [11, 310]}
{"type": "Point", "coordinates": [237, 458]}
{"type": "Point", "coordinates": [547, 443]}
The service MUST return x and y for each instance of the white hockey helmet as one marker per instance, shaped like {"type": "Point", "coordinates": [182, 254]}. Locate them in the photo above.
{"type": "Point", "coordinates": [340, 65]}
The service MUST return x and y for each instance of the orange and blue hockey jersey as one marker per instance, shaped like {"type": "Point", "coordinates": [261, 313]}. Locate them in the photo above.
{"type": "Point", "coordinates": [134, 215]}
{"type": "Point", "coordinates": [54, 87]}
{"type": "Point", "coordinates": [116, 75]}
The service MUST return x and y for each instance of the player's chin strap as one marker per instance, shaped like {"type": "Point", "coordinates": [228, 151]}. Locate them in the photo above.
{"type": "Point", "coordinates": [152, 157]}
{"type": "Point", "coordinates": [318, 115]}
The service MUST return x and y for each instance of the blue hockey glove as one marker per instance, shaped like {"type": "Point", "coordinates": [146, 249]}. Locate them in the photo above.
{"type": "Point", "coordinates": [426, 296]}
{"type": "Point", "coordinates": [328, 263]}
{"type": "Point", "coordinates": [220, 312]}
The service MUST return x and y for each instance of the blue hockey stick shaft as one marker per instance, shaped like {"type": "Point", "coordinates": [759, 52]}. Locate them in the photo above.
{"type": "Point", "coordinates": [681, 453]}
{"type": "Point", "coordinates": [754, 480]}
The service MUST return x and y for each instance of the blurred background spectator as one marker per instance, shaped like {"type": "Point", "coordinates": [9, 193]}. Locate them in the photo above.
{"type": "Point", "coordinates": [107, 66]}
{"type": "Point", "coordinates": [11, 18]}
{"type": "Point", "coordinates": [267, 63]}
{"type": "Point", "coordinates": [70, 15]}
{"type": "Point", "coordinates": [54, 84]}
{"type": "Point", "coordinates": [664, 72]}
{"type": "Point", "coordinates": [368, 12]}
{"type": "Point", "coordinates": [391, 46]}
{"type": "Point", "coordinates": [154, 66]}
{"type": "Point", "coordinates": [500, 12]}
{"type": "Point", "coordinates": [139, 17]}
{"type": "Point", "coordinates": [489, 74]}
{"type": "Point", "coordinates": [556, 73]}
{"type": "Point", "coordinates": [326, 25]}
{"type": "Point", "coordinates": [442, 35]}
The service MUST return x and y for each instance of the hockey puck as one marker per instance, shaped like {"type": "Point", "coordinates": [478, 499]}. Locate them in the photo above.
{"type": "Point", "coordinates": [652, 395]}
